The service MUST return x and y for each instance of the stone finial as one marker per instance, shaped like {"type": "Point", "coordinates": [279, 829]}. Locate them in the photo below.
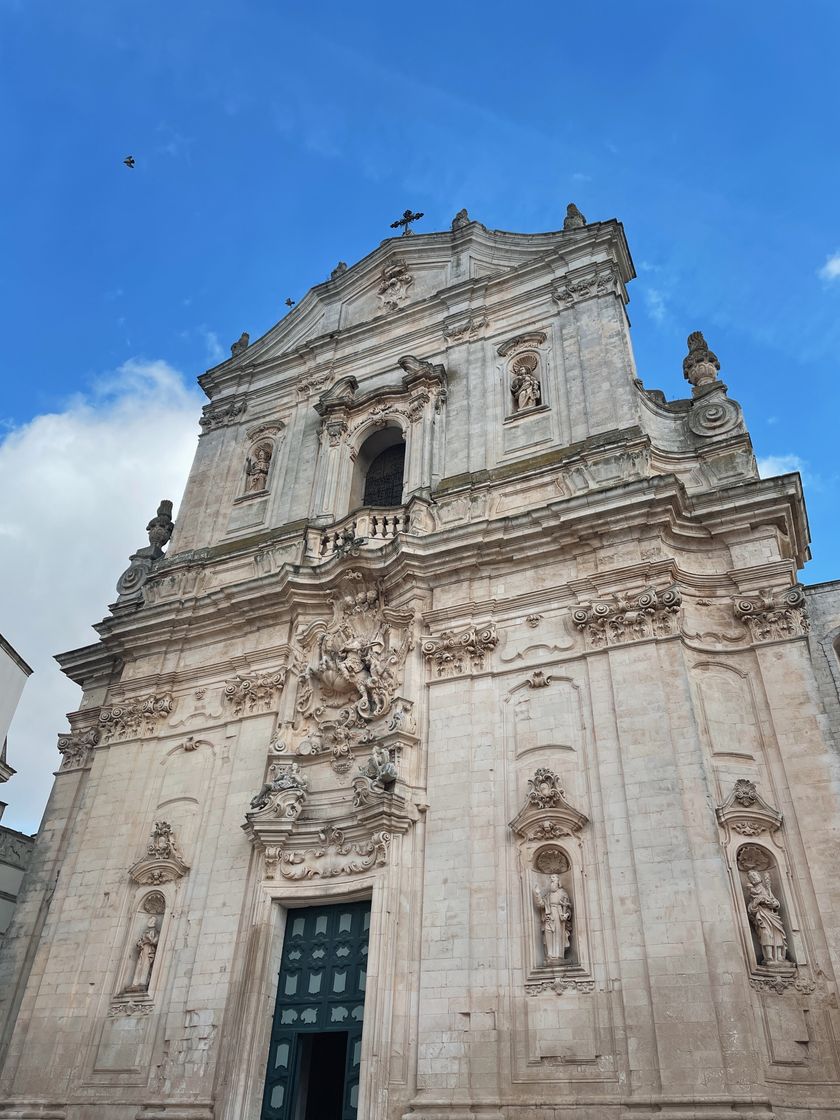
{"type": "Point", "coordinates": [241, 344]}
{"type": "Point", "coordinates": [140, 562]}
{"type": "Point", "coordinates": [340, 268]}
{"type": "Point", "coordinates": [700, 365]}
{"type": "Point", "coordinates": [574, 219]}
{"type": "Point", "coordinates": [460, 220]}
{"type": "Point", "coordinates": [160, 527]}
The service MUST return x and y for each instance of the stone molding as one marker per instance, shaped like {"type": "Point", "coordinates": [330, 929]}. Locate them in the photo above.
{"type": "Point", "coordinates": [454, 653]}
{"type": "Point", "coordinates": [773, 616]}
{"type": "Point", "coordinates": [254, 693]}
{"type": "Point", "coordinates": [559, 985]}
{"type": "Point", "coordinates": [629, 617]}
{"type": "Point", "coordinates": [139, 715]}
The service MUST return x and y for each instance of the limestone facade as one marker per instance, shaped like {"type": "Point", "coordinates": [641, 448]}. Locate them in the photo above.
{"type": "Point", "coordinates": [558, 714]}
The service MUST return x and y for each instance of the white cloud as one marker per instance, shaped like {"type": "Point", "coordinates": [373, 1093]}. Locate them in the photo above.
{"type": "Point", "coordinates": [78, 487]}
{"type": "Point", "coordinates": [770, 465]}
{"type": "Point", "coordinates": [655, 303]}
{"type": "Point", "coordinates": [831, 269]}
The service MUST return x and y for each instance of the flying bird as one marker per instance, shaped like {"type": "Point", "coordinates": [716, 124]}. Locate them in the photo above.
{"type": "Point", "coordinates": [129, 161]}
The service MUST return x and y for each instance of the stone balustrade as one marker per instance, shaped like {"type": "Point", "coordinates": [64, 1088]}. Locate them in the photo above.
{"type": "Point", "coordinates": [367, 526]}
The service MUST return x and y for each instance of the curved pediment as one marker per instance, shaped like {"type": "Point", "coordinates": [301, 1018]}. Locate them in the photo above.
{"type": "Point", "coordinates": [403, 272]}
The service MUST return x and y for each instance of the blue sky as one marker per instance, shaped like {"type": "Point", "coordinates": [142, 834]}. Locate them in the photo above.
{"type": "Point", "coordinates": [274, 139]}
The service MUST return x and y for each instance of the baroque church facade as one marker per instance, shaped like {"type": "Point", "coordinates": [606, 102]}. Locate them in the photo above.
{"type": "Point", "coordinates": [470, 751]}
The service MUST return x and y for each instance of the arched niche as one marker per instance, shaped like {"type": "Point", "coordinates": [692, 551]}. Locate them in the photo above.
{"type": "Point", "coordinates": [260, 460]}
{"type": "Point", "coordinates": [379, 469]}
{"type": "Point", "coordinates": [138, 976]}
{"type": "Point", "coordinates": [768, 915]}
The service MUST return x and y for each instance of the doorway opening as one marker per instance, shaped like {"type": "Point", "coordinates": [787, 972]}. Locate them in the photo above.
{"type": "Point", "coordinates": [316, 1038]}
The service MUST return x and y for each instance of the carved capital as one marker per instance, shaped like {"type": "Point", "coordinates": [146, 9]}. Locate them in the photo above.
{"type": "Point", "coordinates": [627, 618]}
{"type": "Point", "coordinates": [254, 692]}
{"type": "Point", "coordinates": [137, 716]}
{"type": "Point", "coordinates": [771, 616]}
{"type": "Point", "coordinates": [221, 414]}
{"type": "Point", "coordinates": [76, 748]}
{"type": "Point", "coordinates": [455, 652]}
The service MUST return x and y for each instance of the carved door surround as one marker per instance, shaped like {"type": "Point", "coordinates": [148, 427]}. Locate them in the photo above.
{"type": "Point", "coordinates": [413, 405]}
{"type": "Point", "coordinates": [753, 845]}
{"type": "Point", "coordinates": [550, 847]}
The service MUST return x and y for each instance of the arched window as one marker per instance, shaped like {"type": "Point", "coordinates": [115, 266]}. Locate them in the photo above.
{"type": "Point", "coordinates": [384, 478]}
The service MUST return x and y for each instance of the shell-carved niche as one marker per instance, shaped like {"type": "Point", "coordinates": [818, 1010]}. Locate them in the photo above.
{"type": "Point", "coordinates": [262, 448]}
{"type": "Point", "coordinates": [524, 372]}
{"type": "Point", "coordinates": [762, 894]}
{"type": "Point", "coordinates": [548, 829]}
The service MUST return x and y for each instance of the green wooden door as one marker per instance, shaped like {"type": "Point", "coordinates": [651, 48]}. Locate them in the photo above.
{"type": "Point", "coordinates": [320, 993]}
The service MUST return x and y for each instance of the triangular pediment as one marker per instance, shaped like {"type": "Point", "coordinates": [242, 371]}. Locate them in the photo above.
{"type": "Point", "coordinates": [403, 272]}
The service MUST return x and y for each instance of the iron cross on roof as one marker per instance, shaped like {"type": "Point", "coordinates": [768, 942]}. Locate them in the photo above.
{"type": "Point", "coordinates": [406, 221]}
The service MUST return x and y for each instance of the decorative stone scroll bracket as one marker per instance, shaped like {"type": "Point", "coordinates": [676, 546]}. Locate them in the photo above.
{"type": "Point", "coordinates": [76, 748]}
{"type": "Point", "coordinates": [137, 716]}
{"type": "Point", "coordinates": [163, 862]}
{"type": "Point", "coordinates": [453, 653]}
{"type": "Point", "coordinates": [249, 693]}
{"type": "Point", "coordinates": [771, 616]}
{"type": "Point", "coordinates": [629, 617]}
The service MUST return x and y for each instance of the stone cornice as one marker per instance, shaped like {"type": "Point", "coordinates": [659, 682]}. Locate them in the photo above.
{"type": "Point", "coordinates": [554, 529]}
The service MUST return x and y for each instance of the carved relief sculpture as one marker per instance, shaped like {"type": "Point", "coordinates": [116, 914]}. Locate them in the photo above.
{"type": "Point", "coordinates": [394, 285]}
{"type": "Point", "coordinates": [376, 776]}
{"type": "Point", "coordinates": [454, 652]}
{"type": "Point", "coordinates": [770, 615]}
{"type": "Point", "coordinates": [221, 414]}
{"type": "Point", "coordinates": [335, 856]}
{"type": "Point", "coordinates": [164, 861]}
{"type": "Point", "coordinates": [629, 617]}
{"type": "Point", "coordinates": [555, 909]}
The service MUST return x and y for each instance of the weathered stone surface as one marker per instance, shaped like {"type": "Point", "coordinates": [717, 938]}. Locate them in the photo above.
{"type": "Point", "coordinates": [560, 715]}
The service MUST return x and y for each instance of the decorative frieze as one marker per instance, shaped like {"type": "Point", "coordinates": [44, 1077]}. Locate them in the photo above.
{"type": "Point", "coordinates": [253, 692]}
{"type": "Point", "coordinates": [771, 616]}
{"type": "Point", "coordinates": [559, 985]}
{"type": "Point", "coordinates": [455, 652]}
{"type": "Point", "coordinates": [137, 716]}
{"type": "Point", "coordinates": [221, 414]}
{"type": "Point", "coordinates": [465, 330]}
{"type": "Point", "coordinates": [335, 856]}
{"type": "Point", "coordinates": [129, 1007]}
{"type": "Point", "coordinates": [778, 985]}
{"type": "Point", "coordinates": [628, 618]}
{"type": "Point", "coordinates": [77, 747]}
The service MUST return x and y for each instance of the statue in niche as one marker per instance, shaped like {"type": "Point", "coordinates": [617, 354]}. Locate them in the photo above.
{"type": "Point", "coordinates": [555, 909]}
{"type": "Point", "coordinates": [146, 946]}
{"type": "Point", "coordinates": [764, 910]}
{"type": "Point", "coordinates": [256, 470]}
{"type": "Point", "coordinates": [525, 383]}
